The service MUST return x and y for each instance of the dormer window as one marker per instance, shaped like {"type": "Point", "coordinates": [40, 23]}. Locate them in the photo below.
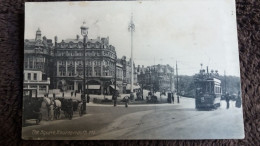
{"type": "Point", "coordinates": [80, 44]}
{"type": "Point", "coordinates": [71, 45]}
{"type": "Point", "coordinates": [97, 45]}
{"type": "Point", "coordinates": [88, 45]}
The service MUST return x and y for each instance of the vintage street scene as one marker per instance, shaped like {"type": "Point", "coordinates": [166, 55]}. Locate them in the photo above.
{"type": "Point", "coordinates": [124, 70]}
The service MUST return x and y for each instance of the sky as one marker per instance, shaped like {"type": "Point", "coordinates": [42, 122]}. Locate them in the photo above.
{"type": "Point", "coordinates": [189, 32]}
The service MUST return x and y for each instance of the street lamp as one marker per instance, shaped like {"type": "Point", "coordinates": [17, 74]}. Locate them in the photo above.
{"type": "Point", "coordinates": [115, 93]}
{"type": "Point", "coordinates": [84, 33]}
{"type": "Point", "coordinates": [115, 70]}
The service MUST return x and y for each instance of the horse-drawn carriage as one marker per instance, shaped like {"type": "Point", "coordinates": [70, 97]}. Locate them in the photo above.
{"type": "Point", "coordinates": [31, 106]}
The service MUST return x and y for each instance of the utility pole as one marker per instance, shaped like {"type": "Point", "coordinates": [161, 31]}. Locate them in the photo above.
{"type": "Point", "coordinates": [131, 28]}
{"type": "Point", "coordinates": [178, 98]}
{"type": "Point", "coordinates": [225, 82]}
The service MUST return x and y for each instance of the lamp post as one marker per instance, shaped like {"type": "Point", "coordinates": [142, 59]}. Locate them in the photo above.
{"type": "Point", "coordinates": [84, 33]}
{"type": "Point", "coordinates": [115, 71]}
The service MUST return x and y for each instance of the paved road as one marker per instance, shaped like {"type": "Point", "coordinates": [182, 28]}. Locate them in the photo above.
{"type": "Point", "coordinates": [161, 121]}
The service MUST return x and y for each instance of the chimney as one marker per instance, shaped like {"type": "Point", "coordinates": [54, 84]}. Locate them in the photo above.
{"type": "Point", "coordinates": [56, 38]}
{"type": "Point", "coordinates": [77, 36]}
{"type": "Point", "coordinates": [207, 69]}
{"type": "Point", "coordinates": [44, 38]}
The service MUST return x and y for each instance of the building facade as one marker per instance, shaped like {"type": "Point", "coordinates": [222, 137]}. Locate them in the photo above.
{"type": "Point", "coordinates": [126, 68]}
{"type": "Point", "coordinates": [100, 65]}
{"type": "Point", "coordinates": [37, 63]}
{"type": "Point", "coordinates": [60, 66]}
{"type": "Point", "coordinates": [33, 80]}
{"type": "Point", "coordinates": [156, 77]}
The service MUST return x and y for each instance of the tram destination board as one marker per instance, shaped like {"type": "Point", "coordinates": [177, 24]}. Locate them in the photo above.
{"type": "Point", "coordinates": [131, 70]}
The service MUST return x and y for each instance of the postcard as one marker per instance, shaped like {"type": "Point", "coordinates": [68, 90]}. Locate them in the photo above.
{"type": "Point", "coordinates": [131, 70]}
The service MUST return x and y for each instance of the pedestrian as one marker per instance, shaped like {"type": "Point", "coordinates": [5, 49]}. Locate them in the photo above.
{"type": "Point", "coordinates": [75, 93]}
{"type": "Point", "coordinates": [88, 98]}
{"type": "Point", "coordinates": [114, 97]}
{"type": "Point", "coordinates": [71, 93]}
{"type": "Point", "coordinates": [238, 100]}
{"type": "Point", "coordinates": [63, 94]}
{"type": "Point", "coordinates": [54, 96]}
{"type": "Point", "coordinates": [131, 96]}
{"type": "Point", "coordinates": [172, 97]}
{"type": "Point", "coordinates": [227, 100]}
{"type": "Point", "coordinates": [126, 99]}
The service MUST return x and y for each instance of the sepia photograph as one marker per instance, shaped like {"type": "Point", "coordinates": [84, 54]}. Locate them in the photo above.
{"type": "Point", "coordinates": [131, 70]}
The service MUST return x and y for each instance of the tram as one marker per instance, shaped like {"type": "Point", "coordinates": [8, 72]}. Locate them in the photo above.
{"type": "Point", "coordinates": [208, 90]}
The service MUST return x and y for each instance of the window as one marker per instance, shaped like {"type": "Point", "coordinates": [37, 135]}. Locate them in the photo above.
{"type": "Point", "coordinates": [88, 45]}
{"type": "Point", "coordinates": [62, 73]}
{"type": "Point", "coordinates": [80, 62]}
{"type": "Point", "coordinates": [80, 73]}
{"type": "Point", "coordinates": [35, 76]}
{"type": "Point", "coordinates": [29, 76]}
{"type": "Point", "coordinates": [70, 62]}
{"type": "Point", "coordinates": [71, 73]}
{"type": "Point", "coordinates": [30, 64]}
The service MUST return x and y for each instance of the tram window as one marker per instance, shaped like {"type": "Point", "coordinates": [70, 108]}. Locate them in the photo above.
{"type": "Point", "coordinates": [212, 87]}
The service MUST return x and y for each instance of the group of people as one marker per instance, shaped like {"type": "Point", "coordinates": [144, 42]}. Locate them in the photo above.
{"type": "Point", "coordinates": [237, 99]}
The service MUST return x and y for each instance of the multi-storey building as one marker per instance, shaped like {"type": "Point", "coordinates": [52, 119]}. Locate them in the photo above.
{"type": "Point", "coordinates": [100, 65]}
{"type": "Point", "coordinates": [37, 63]}
{"type": "Point", "coordinates": [60, 65]}
{"type": "Point", "coordinates": [156, 77]}
{"type": "Point", "coordinates": [126, 68]}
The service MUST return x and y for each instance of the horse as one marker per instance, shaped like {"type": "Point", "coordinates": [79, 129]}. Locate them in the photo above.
{"type": "Point", "coordinates": [49, 105]}
{"type": "Point", "coordinates": [57, 108]}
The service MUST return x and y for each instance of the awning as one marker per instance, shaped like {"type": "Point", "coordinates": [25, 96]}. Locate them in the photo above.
{"type": "Point", "coordinates": [96, 87]}
{"type": "Point", "coordinates": [113, 86]}
{"type": "Point", "coordinates": [128, 87]}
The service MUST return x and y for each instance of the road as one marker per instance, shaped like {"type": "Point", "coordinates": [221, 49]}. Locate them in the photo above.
{"type": "Point", "coordinates": [152, 121]}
